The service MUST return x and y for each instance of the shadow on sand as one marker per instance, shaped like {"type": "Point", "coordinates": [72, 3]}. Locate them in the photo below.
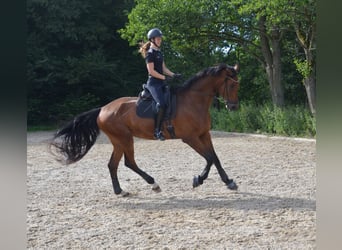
{"type": "Point", "coordinates": [239, 201]}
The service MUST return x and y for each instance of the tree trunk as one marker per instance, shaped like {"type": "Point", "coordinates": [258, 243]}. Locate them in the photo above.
{"type": "Point", "coordinates": [277, 87]}
{"type": "Point", "coordinates": [272, 58]}
{"type": "Point", "coordinates": [306, 40]}
{"type": "Point", "coordinates": [310, 81]}
{"type": "Point", "coordinates": [310, 87]}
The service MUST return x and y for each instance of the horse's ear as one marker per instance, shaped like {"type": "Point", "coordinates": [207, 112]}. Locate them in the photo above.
{"type": "Point", "coordinates": [237, 68]}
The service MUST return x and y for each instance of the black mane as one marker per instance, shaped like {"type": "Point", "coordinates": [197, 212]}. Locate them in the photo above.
{"type": "Point", "coordinates": [210, 71]}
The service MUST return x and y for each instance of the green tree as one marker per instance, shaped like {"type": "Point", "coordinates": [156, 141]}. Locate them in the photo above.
{"type": "Point", "coordinates": [304, 23]}
{"type": "Point", "coordinates": [280, 16]}
{"type": "Point", "coordinates": [74, 53]}
{"type": "Point", "coordinates": [192, 37]}
{"type": "Point", "coordinates": [202, 35]}
{"type": "Point", "coordinates": [203, 29]}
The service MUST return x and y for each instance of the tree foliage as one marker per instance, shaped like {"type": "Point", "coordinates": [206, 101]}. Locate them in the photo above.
{"type": "Point", "coordinates": [82, 54]}
{"type": "Point", "coordinates": [206, 31]}
{"type": "Point", "coordinates": [74, 52]}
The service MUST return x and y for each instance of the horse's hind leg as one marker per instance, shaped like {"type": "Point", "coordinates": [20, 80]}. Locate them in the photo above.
{"type": "Point", "coordinates": [113, 169]}
{"type": "Point", "coordinates": [149, 179]}
{"type": "Point", "coordinates": [130, 163]}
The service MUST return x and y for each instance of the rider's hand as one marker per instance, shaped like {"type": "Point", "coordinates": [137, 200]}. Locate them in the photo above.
{"type": "Point", "coordinates": [168, 78]}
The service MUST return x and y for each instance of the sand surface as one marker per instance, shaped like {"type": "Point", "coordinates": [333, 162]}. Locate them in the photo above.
{"type": "Point", "coordinates": [74, 207]}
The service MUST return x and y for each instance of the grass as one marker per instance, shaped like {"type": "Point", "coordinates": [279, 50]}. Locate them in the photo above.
{"type": "Point", "coordinates": [267, 119]}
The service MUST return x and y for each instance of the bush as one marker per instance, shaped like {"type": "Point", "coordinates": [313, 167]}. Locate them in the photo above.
{"type": "Point", "coordinates": [75, 105]}
{"type": "Point", "coordinates": [55, 113]}
{"type": "Point", "coordinates": [269, 119]}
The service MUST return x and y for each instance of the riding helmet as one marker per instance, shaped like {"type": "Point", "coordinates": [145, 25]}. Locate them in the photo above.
{"type": "Point", "coordinates": [154, 33]}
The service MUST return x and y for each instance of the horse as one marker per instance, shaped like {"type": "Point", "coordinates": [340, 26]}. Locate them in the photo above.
{"type": "Point", "coordinates": [119, 121]}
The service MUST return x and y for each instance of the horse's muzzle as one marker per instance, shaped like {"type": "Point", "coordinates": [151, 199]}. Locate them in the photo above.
{"type": "Point", "coordinates": [232, 106]}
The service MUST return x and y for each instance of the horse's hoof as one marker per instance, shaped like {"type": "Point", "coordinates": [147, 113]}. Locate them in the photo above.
{"type": "Point", "coordinates": [156, 188]}
{"type": "Point", "coordinates": [232, 185]}
{"type": "Point", "coordinates": [197, 181]}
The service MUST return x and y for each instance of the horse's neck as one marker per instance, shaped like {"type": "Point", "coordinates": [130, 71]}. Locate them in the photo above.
{"type": "Point", "coordinates": [206, 85]}
{"type": "Point", "coordinates": [201, 94]}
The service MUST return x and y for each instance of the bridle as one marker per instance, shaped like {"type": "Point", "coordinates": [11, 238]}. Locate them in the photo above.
{"type": "Point", "coordinates": [226, 88]}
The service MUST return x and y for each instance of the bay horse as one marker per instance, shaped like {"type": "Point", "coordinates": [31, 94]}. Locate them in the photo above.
{"type": "Point", "coordinates": [118, 120]}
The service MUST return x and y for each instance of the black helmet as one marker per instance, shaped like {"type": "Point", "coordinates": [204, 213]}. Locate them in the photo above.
{"type": "Point", "coordinates": [154, 33]}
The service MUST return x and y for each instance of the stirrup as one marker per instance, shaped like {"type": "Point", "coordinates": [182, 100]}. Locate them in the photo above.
{"type": "Point", "coordinates": [159, 135]}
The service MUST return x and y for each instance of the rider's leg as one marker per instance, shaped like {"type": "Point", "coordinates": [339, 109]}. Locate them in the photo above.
{"type": "Point", "coordinates": [158, 121]}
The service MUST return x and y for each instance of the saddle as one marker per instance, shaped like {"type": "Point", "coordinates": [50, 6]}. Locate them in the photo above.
{"type": "Point", "coordinates": [146, 107]}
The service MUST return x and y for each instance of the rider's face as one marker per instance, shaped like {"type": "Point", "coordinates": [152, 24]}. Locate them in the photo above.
{"type": "Point", "coordinates": [158, 41]}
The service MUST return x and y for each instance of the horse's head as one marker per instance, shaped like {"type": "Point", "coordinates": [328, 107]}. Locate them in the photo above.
{"type": "Point", "coordinates": [230, 86]}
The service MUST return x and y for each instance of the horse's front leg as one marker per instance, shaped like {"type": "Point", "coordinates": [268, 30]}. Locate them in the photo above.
{"type": "Point", "coordinates": [200, 148]}
{"type": "Point", "coordinates": [203, 145]}
{"type": "Point", "coordinates": [224, 177]}
{"type": "Point", "coordinates": [198, 180]}
{"type": "Point", "coordinates": [206, 139]}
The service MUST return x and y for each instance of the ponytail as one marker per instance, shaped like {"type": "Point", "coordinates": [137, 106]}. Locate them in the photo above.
{"type": "Point", "coordinates": [144, 47]}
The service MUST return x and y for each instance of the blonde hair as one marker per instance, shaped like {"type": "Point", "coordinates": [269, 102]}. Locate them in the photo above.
{"type": "Point", "coordinates": [144, 47]}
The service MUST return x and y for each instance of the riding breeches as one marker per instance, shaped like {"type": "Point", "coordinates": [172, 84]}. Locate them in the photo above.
{"type": "Point", "coordinates": [157, 89]}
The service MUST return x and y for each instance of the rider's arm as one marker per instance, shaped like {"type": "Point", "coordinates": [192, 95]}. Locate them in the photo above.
{"type": "Point", "coordinates": [152, 72]}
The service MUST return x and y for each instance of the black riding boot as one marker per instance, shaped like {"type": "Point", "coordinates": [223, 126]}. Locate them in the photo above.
{"type": "Point", "coordinates": [158, 121]}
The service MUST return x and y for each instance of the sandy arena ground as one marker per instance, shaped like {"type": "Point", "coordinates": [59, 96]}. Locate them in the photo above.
{"type": "Point", "coordinates": [74, 207]}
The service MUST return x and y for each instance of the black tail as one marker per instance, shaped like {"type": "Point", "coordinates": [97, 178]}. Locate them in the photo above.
{"type": "Point", "coordinates": [75, 139]}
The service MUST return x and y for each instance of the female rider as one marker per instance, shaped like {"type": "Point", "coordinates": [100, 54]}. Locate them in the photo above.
{"type": "Point", "coordinates": [157, 72]}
